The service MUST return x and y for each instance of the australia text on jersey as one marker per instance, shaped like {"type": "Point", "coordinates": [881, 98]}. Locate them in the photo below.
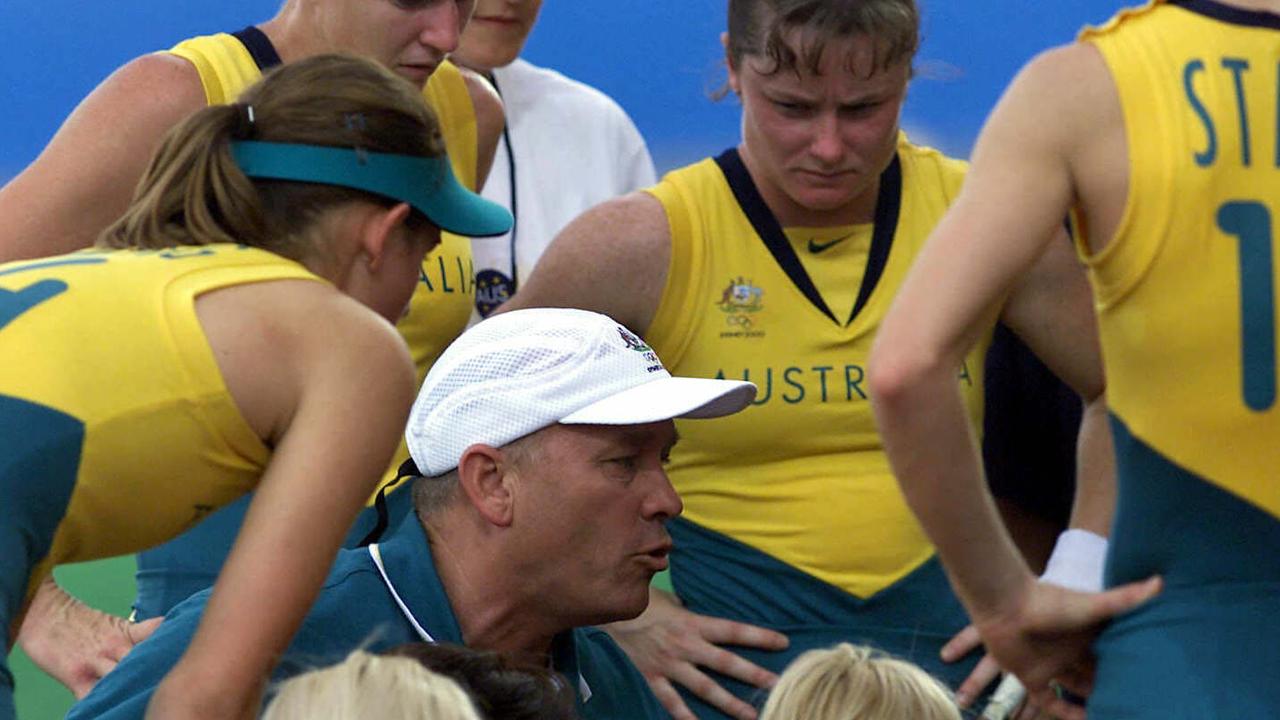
{"type": "Point", "coordinates": [818, 383]}
{"type": "Point", "coordinates": [447, 275]}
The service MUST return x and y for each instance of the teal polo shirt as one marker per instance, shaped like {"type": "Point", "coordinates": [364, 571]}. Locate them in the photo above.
{"type": "Point", "coordinates": [360, 607]}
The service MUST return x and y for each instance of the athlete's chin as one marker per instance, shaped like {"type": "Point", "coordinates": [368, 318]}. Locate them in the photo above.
{"type": "Point", "coordinates": [416, 74]}
{"type": "Point", "coordinates": [825, 190]}
{"type": "Point", "coordinates": [824, 198]}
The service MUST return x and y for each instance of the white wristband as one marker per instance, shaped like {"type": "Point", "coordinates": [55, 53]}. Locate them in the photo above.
{"type": "Point", "coordinates": [1076, 562]}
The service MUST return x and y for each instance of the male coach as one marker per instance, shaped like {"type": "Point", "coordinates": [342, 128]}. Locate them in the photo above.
{"type": "Point", "coordinates": [541, 436]}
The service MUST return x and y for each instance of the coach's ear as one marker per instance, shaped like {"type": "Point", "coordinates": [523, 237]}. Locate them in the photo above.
{"type": "Point", "coordinates": [482, 475]}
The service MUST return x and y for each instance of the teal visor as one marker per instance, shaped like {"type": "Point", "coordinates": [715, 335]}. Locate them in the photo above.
{"type": "Point", "coordinates": [426, 184]}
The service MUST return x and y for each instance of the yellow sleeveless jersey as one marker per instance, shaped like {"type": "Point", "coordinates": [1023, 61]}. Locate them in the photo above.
{"type": "Point", "coordinates": [802, 474]}
{"type": "Point", "coordinates": [108, 342]}
{"type": "Point", "coordinates": [1186, 289]}
{"type": "Point", "coordinates": [441, 306]}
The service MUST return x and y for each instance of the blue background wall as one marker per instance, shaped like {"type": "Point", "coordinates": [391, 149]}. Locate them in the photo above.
{"type": "Point", "coordinates": [658, 58]}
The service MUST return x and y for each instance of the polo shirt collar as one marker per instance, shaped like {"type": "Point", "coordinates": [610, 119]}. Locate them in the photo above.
{"type": "Point", "coordinates": [406, 558]}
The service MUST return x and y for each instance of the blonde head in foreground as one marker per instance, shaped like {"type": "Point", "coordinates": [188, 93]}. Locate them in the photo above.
{"type": "Point", "coordinates": [371, 686]}
{"type": "Point", "coordinates": [850, 682]}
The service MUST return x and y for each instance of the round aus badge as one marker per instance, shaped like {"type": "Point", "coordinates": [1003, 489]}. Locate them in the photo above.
{"type": "Point", "coordinates": [492, 289]}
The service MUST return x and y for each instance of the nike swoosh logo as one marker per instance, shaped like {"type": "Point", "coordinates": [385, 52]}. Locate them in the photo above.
{"type": "Point", "coordinates": [816, 247]}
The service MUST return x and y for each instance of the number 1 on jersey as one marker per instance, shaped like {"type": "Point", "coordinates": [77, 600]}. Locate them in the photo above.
{"type": "Point", "coordinates": [1250, 222]}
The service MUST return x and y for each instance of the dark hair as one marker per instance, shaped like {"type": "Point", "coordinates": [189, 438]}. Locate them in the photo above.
{"type": "Point", "coordinates": [502, 686]}
{"type": "Point", "coordinates": [194, 193]}
{"type": "Point", "coordinates": [767, 28]}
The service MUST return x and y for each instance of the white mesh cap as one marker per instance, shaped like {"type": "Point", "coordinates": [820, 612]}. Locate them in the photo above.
{"type": "Point", "coordinates": [518, 372]}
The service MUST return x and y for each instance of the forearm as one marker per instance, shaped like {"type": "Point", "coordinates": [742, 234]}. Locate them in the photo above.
{"type": "Point", "coordinates": [185, 695]}
{"type": "Point", "coordinates": [1080, 552]}
{"type": "Point", "coordinates": [223, 673]}
{"type": "Point", "coordinates": [1095, 496]}
{"type": "Point", "coordinates": [257, 604]}
{"type": "Point", "coordinates": [935, 459]}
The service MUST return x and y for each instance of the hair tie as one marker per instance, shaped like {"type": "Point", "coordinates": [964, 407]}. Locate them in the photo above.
{"type": "Point", "coordinates": [245, 127]}
{"type": "Point", "coordinates": [354, 122]}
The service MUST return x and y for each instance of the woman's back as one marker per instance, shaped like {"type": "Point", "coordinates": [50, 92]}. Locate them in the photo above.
{"type": "Point", "coordinates": [109, 364]}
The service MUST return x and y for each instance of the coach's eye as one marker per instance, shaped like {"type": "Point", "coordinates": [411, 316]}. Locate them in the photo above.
{"type": "Point", "coordinates": [629, 462]}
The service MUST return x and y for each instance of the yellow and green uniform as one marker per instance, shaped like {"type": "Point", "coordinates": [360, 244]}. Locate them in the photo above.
{"type": "Point", "coordinates": [1185, 294]}
{"type": "Point", "coordinates": [116, 429]}
{"type": "Point", "coordinates": [792, 517]}
{"type": "Point", "coordinates": [228, 63]}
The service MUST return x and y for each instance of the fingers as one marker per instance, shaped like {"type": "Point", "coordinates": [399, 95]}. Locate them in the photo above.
{"type": "Point", "coordinates": [1124, 598]}
{"type": "Point", "coordinates": [670, 699]}
{"type": "Point", "coordinates": [96, 667]}
{"type": "Point", "coordinates": [730, 664]}
{"type": "Point", "coordinates": [670, 645]}
{"type": "Point", "coordinates": [982, 675]}
{"type": "Point", "coordinates": [711, 692]}
{"type": "Point", "coordinates": [718, 631]}
{"type": "Point", "coordinates": [1059, 708]}
{"type": "Point", "coordinates": [1078, 681]}
{"type": "Point", "coordinates": [142, 630]}
{"type": "Point", "coordinates": [1059, 610]}
{"type": "Point", "coordinates": [729, 632]}
{"type": "Point", "coordinates": [1063, 697]}
{"type": "Point", "coordinates": [1030, 711]}
{"type": "Point", "coordinates": [80, 689]}
{"type": "Point", "coordinates": [702, 686]}
{"type": "Point", "coordinates": [965, 641]}
{"type": "Point", "coordinates": [1007, 696]}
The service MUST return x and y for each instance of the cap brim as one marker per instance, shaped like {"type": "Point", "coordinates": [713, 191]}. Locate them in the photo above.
{"type": "Point", "coordinates": [666, 399]}
{"type": "Point", "coordinates": [454, 208]}
{"type": "Point", "coordinates": [426, 183]}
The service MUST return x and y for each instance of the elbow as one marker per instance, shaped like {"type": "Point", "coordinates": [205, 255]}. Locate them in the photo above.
{"type": "Point", "coordinates": [897, 372]}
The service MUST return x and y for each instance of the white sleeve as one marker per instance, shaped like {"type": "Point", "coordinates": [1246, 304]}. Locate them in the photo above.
{"type": "Point", "coordinates": [638, 164]}
{"type": "Point", "coordinates": [634, 167]}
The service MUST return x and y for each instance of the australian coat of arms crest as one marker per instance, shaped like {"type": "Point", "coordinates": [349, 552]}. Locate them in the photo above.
{"type": "Point", "coordinates": [739, 300]}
